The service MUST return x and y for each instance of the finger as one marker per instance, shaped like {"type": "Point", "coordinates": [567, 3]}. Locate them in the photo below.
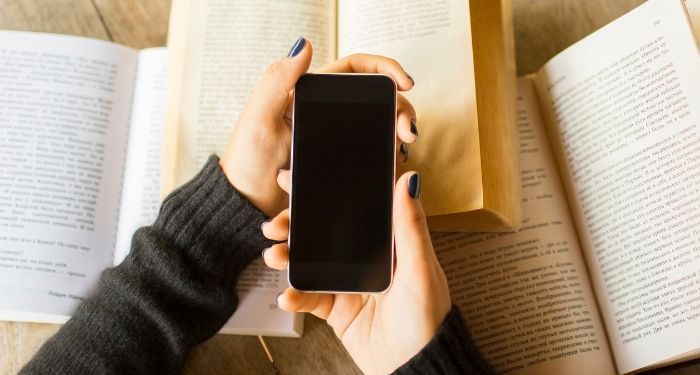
{"type": "Point", "coordinates": [284, 180]}
{"type": "Point", "coordinates": [276, 256]}
{"type": "Point", "coordinates": [318, 304]}
{"type": "Point", "coordinates": [406, 121]}
{"type": "Point", "coordinates": [277, 228]}
{"type": "Point", "coordinates": [269, 100]}
{"type": "Point", "coordinates": [413, 246]}
{"type": "Point", "coordinates": [365, 63]}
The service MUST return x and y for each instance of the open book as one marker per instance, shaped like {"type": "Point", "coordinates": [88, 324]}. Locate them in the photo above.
{"type": "Point", "coordinates": [464, 94]}
{"type": "Point", "coordinates": [604, 275]}
{"type": "Point", "coordinates": [71, 110]}
{"type": "Point", "coordinates": [80, 161]}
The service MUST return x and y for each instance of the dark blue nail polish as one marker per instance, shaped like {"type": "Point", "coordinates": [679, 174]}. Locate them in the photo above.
{"type": "Point", "coordinates": [414, 186]}
{"type": "Point", "coordinates": [404, 151]}
{"type": "Point", "coordinates": [414, 130]}
{"type": "Point", "coordinates": [297, 47]}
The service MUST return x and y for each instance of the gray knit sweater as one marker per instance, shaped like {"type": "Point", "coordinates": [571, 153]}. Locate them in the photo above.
{"type": "Point", "coordinates": [176, 288]}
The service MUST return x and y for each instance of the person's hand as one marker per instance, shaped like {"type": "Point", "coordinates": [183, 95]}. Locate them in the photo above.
{"type": "Point", "coordinates": [380, 331]}
{"type": "Point", "coordinates": [260, 142]}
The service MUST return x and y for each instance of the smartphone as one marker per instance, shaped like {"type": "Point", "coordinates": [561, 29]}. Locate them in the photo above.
{"type": "Point", "coordinates": [343, 169]}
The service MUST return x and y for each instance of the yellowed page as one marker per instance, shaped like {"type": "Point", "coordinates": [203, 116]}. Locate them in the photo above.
{"type": "Point", "coordinates": [432, 40]}
{"type": "Point", "coordinates": [218, 49]}
{"type": "Point", "coordinates": [180, 45]}
{"type": "Point", "coordinates": [526, 296]}
{"type": "Point", "coordinates": [229, 44]}
{"type": "Point", "coordinates": [693, 7]}
{"type": "Point", "coordinates": [624, 109]}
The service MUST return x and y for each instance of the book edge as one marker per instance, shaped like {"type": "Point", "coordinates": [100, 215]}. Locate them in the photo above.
{"type": "Point", "coordinates": [492, 41]}
{"type": "Point", "coordinates": [494, 65]}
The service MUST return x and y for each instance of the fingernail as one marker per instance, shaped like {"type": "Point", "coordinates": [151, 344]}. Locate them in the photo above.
{"type": "Point", "coordinates": [263, 224]}
{"type": "Point", "coordinates": [404, 151]}
{"type": "Point", "coordinates": [411, 78]}
{"type": "Point", "coordinates": [263, 252]}
{"type": "Point", "coordinates": [277, 299]}
{"type": "Point", "coordinates": [297, 47]}
{"type": "Point", "coordinates": [414, 130]}
{"type": "Point", "coordinates": [414, 186]}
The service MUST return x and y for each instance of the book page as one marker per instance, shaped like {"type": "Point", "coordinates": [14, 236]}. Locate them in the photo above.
{"type": "Point", "coordinates": [257, 312]}
{"type": "Point", "coordinates": [64, 117]}
{"type": "Point", "coordinates": [526, 296]}
{"type": "Point", "coordinates": [219, 50]}
{"type": "Point", "coordinates": [432, 41]}
{"type": "Point", "coordinates": [624, 106]}
{"type": "Point", "coordinates": [141, 193]}
{"type": "Point", "coordinates": [227, 46]}
{"type": "Point", "coordinates": [257, 287]}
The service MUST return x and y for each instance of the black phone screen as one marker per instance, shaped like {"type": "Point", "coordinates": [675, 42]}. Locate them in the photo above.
{"type": "Point", "coordinates": [342, 183]}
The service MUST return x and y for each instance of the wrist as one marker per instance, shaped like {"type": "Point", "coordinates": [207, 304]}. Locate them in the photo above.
{"type": "Point", "coordinates": [197, 219]}
{"type": "Point", "coordinates": [450, 351]}
{"type": "Point", "coordinates": [257, 186]}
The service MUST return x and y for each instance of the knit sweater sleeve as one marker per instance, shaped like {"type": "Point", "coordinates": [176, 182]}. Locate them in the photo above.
{"type": "Point", "coordinates": [175, 289]}
{"type": "Point", "coordinates": [451, 351]}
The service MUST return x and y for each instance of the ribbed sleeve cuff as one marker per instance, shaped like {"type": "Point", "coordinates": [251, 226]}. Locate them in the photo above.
{"type": "Point", "coordinates": [208, 218]}
{"type": "Point", "coordinates": [174, 289]}
{"type": "Point", "coordinates": [451, 351]}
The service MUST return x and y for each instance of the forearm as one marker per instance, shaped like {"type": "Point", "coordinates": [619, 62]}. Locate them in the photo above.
{"type": "Point", "coordinates": [451, 351]}
{"type": "Point", "coordinates": [175, 289]}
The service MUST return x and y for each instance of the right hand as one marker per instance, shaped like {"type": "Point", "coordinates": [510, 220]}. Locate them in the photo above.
{"type": "Point", "coordinates": [260, 142]}
{"type": "Point", "coordinates": [380, 331]}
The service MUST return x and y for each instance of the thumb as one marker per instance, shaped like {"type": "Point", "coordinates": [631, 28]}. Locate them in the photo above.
{"type": "Point", "coordinates": [271, 95]}
{"type": "Point", "coordinates": [411, 230]}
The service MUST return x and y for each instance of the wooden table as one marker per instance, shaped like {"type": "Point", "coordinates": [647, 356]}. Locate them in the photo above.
{"type": "Point", "coordinates": [542, 27]}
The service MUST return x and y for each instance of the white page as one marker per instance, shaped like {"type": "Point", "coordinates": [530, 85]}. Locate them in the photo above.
{"type": "Point", "coordinates": [141, 192]}
{"type": "Point", "coordinates": [526, 296]}
{"type": "Point", "coordinates": [64, 115]}
{"type": "Point", "coordinates": [258, 286]}
{"type": "Point", "coordinates": [625, 106]}
{"type": "Point", "coordinates": [257, 312]}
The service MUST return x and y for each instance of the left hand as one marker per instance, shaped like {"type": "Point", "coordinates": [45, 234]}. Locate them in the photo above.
{"type": "Point", "coordinates": [381, 331]}
{"type": "Point", "coordinates": [260, 142]}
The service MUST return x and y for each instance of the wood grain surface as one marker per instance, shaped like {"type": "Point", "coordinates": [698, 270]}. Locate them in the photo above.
{"type": "Point", "coordinates": [542, 29]}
